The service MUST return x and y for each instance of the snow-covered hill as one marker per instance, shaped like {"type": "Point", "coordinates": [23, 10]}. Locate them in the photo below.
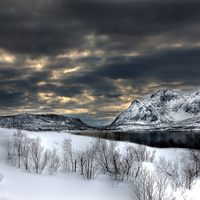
{"type": "Point", "coordinates": [41, 122]}
{"type": "Point", "coordinates": [18, 184]}
{"type": "Point", "coordinates": [163, 109]}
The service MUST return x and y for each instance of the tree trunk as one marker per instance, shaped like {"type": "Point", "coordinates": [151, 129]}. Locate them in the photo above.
{"type": "Point", "coordinates": [81, 166]}
{"type": "Point", "coordinates": [75, 166]}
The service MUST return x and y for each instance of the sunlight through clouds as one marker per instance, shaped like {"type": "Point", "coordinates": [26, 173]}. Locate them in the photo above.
{"type": "Point", "coordinates": [6, 57]}
{"type": "Point", "coordinates": [81, 57]}
{"type": "Point", "coordinates": [71, 70]}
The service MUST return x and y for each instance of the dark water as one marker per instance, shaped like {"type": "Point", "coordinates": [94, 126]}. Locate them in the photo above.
{"type": "Point", "coordinates": [151, 138]}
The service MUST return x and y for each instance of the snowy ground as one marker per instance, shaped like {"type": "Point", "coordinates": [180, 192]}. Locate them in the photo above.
{"type": "Point", "coordinates": [21, 185]}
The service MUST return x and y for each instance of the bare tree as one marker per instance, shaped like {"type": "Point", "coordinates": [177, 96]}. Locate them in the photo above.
{"type": "Point", "coordinates": [40, 157]}
{"type": "Point", "coordinates": [118, 166]}
{"type": "Point", "coordinates": [161, 186]}
{"type": "Point", "coordinates": [30, 154]}
{"type": "Point", "coordinates": [14, 147]}
{"type": "Point", "coordinates": [54, 162]}
{"type": "Point", "coordinates": [188, 173]}
{"type": "Point", "coordinates": [9, 147]}
{"type": "Point", "coordinates": [115, 159]}
{"type": "Point", "coordinates": [149, 186]}
{"type": "Point", "coordinates": [45, 160]}
{"type": "Point", "coordinates": [36, 153]}
{"type": "Point", "coordinates": [66, 164]}
{"type": "Point", "coordinates": [18, 138]}
{"type": "Point", "coordinates": [194, 155]}
{"type": "Point", "coordinates": [194, 150]}
{"type": "Point", "coordinates": [70, 155]}
{"type": "Point", "coordinates": [82, 158]}
{"type": "Point", "coordinates": [91, 166]}
{"type": "Point", "coordinates": [170, 170]}
{"type": "Point", "coordinates": [130, 166]}
{"type": "Point", "coordinates": [143, 185]}
{"type": "Point", "coordinates": [26, 154]}
{"type": "Point", "coordinates": [180, 173]}
{"type": "Point", "coordinates": [142, 154]}
{"type": "Point", "coordinates": [103, 154]}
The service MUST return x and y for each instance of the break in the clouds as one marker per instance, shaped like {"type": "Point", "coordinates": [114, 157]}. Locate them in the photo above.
{"type": "Point", "coordinates": [90, 59]}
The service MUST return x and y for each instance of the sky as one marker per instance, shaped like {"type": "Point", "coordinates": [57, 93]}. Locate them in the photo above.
{"type": "Point", "coordinates": [91, 58]}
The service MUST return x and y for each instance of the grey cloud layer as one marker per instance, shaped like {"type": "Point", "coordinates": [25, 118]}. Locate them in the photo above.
{"type": "Point", "coordinates": [122, 49]}
{"type": "Point", "coordinates": [52, 27]}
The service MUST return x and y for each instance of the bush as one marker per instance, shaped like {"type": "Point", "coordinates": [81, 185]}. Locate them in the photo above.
{"type": "Point", "coordinates": [28, 153]}
{"type": "Point", "coordinates": [15, 148]}
{"type": "Point", "coordinates": [70, 155]}
{"type": "Point", "coordinates": [149, 186]}
{"type": "Point", "coordinates": [40, 158]}
{"type": "Point", "coordinates": [180, 173]}
{"type": "Point", "coordinates": [54, 162]}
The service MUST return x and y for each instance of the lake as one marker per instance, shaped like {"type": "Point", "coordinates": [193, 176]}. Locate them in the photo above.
{"type": "Point", "coordinates": [150, 138]}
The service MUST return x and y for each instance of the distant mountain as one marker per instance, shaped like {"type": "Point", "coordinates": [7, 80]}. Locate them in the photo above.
{"type": "Point", "coordinates": [39, 122]}
{"type": "Point", "coordinates": [164, 108]}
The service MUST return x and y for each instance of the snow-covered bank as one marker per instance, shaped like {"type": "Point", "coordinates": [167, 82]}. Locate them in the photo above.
{"type": "Point", "coordinates": [18, 184]}
{"type": "Point", "coordinates": [24, 186]}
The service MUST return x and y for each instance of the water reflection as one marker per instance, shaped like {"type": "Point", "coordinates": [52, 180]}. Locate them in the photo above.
{"type": "Point", "coordinates": [151, 138]}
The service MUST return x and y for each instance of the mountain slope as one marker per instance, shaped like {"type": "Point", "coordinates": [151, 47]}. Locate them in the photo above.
{"type": "Point", "coordinates": [42, 122]}
{"type": "Point", "coordinates": [162, 107]}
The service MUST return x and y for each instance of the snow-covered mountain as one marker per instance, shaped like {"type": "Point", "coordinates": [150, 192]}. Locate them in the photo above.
{"type": "Point", "coordinates": [162, 108]}
{"type": "Point", "coordinates": [41, 122]}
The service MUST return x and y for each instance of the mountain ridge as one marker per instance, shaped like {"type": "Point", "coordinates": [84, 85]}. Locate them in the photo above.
{"type": "Point", "coordinates": [42, 122]}
{"type": "Point", "coordinates": [162, 110]}
{"type": "Point", "coordinates": [163, 107]}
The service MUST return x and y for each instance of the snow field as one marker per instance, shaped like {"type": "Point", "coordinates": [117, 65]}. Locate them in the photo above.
{"type": "Point", "coordinates": [21, 185]}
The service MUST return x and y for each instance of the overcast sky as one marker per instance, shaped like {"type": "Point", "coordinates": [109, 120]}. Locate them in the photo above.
{"type": "Point", "coordinates": [91, 59]}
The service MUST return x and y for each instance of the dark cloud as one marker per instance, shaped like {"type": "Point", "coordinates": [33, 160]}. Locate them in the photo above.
{"type": "Point", "coordinates": [6, 97]}
{"type": "Point", "coordinates": [7, 72]}
{"type": "Point", "coordinates": [36, 27]}
{"type": "Point", "coordinates": [90, 57]}
{"type": "Point", "coordinates": [136, 18]}
{"type": "Point", "coordinates": [168, 65]}
{"type": "Point", "coordinates": [51, 28]}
